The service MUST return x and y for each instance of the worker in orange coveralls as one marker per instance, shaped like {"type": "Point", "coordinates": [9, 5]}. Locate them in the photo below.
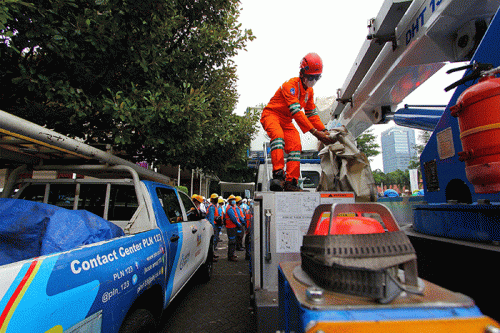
{"type": "Point", "coordinates": [287, 104]}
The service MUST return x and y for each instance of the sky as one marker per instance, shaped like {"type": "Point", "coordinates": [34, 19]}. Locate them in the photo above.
{"type": "Point", "coordinates": [286, 30]}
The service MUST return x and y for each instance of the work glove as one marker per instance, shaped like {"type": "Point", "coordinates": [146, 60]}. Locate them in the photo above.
{"type": "Point", "coordinates": [324, 137]}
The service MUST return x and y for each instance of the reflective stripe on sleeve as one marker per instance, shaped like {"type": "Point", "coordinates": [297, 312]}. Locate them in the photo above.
{"type": "Point", "coordinates": [294, 108]}
{"type": "Point", "coordinates": [310, 113]}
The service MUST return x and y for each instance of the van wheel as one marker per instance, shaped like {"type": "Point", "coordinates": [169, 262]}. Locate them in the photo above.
{"type": "Point", "coordinates": [206, 270]}
{"type": "Point", "coordinates": [139, 321]}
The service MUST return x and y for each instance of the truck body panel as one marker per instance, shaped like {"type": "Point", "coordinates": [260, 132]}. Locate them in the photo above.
{"type": "Point", "coordinates": [102, 280]}
{"type": "Point", "coordinates": [280, 221]}
{"type": "Point", "coordinates": [63, 289]}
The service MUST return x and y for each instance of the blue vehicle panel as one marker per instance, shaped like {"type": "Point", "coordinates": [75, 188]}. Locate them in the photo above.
{"type": "Point", "coordinates": [92, 287]}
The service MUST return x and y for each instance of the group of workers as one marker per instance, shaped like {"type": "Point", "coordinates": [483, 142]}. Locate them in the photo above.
{"type": "Point", "coordinates": [236, 214]}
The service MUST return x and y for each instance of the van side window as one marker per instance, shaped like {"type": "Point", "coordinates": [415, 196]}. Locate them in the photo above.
{"type": "Point", "coordinates": [193, 214]}
{"type": "Point", "coordinates": [170, 203]}
{"type": "Point", "coordinates": [92, 198]}
{"type": "Point", "coordinates": [33, 192]}
{"type": "Point", "coordinates": [122, 203]}
{"type": "Point", "coordinates": [62, 195]}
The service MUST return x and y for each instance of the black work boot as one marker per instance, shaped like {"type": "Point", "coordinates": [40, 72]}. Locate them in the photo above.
{"type": "Point", "coordinates": [291, 186]}
{"type": "Point", "coordinates": [278, 180]}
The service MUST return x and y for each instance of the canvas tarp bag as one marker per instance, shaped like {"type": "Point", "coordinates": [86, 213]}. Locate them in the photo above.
{"type": "Point", "coordinates": [345, 168]}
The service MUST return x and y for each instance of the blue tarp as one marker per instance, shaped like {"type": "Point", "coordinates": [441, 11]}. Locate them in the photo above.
{"type": "Point", "coordinates": [390, 193]}
{"type": "Point", "coordinates": [29, 229]}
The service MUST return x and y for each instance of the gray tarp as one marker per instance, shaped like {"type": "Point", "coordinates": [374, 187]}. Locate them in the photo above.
{"type": "Point", "coordinates": [345, 168]}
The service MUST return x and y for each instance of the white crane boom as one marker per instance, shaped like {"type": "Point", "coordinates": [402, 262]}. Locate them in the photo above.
{"type": "Point", "coordinates": [418, 37]}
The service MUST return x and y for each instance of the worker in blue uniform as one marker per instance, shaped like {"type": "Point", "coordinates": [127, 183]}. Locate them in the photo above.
{"type": "Point", "coordinates": [213, 217]}
{"type": "Point", "coordinates": [244, 205]}
{"type": "Point", "coordinates": [219, 222]}
{"type": "Point", "coordinates": [241, 231]}
{"type": "Point", "coordinates": [232, 225]}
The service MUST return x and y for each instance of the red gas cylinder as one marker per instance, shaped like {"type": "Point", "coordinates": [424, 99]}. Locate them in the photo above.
{"type": "Point", "coordinates": [478, 112]}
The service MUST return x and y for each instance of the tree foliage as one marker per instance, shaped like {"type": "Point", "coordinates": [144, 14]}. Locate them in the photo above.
{"type": "Point", "coordinates": [397, 177]}
{"type": "Point", "coordinates": [153, 78]}
{"type": "Point", "coordinates": [366, 144]}
{"type": "Point", "coordinates": [423, 137]}
{"type": "Point", "coordinates": [379, 176]}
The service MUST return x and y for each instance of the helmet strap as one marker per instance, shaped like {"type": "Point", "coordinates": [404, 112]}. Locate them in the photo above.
{"type": "Point", "coordinates": [302, 79]}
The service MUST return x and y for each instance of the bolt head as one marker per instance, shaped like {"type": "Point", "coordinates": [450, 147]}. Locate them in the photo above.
{"type": "Point", "coordinates": [314, 294]}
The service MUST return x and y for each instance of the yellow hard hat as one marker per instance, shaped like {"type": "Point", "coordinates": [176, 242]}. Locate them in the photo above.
{"type": "Point", "coordinates": [231, 197]}
{"type": "Point", "coordinates": [197, 197]}
{"type": "Point", "coordinates": [220, 200]}
{"type": "Point", "coordinates": [214, 196]}
{"type": "Point", "coordinates": [238, 198]}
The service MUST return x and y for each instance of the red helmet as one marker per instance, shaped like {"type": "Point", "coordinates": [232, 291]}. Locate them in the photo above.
{"type": "Point", "coordinates": [311, 64]}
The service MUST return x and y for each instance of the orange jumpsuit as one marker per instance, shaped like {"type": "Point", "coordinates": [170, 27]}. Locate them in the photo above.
{"type": "Point", "coordinates": [276, 119]}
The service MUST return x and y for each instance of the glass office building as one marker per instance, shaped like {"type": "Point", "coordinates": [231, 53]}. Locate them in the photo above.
{"type": "Point", "coordinates": [398, 148]}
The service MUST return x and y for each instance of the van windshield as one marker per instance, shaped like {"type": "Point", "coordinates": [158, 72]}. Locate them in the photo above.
{"type": "Point", "coordinates": [311, 179]}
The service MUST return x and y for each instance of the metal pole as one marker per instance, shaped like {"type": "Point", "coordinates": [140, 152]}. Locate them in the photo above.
{"type": "Point", "coordinates": [207, 187]}
{"type": "Point", "coordinates": [192, 178]}
{"type": "Point", "coordinates": [8, 189]}
{"type": "Point", "coordinates": [201, 177]}
{"type": "Point", "coordinates": [179, 176]}
{"type": "Point", "coordinates": [26, 130]}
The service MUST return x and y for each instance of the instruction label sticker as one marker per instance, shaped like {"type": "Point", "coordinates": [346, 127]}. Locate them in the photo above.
{"type": "Point", "coordinates": [293, 216]}
{"type": "Point", "coordinates": [446, 148]}
{"type": "Point", "coordinates": [294, 212]}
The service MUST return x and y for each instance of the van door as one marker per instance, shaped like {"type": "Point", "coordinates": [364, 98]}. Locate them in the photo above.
{"type": "Point", "coordinates": [197, 228]}
{"type": "Point", "coordinates": [178, 240]}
